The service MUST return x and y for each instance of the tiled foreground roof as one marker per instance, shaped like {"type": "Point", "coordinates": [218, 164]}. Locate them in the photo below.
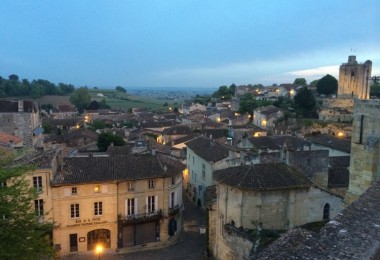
{"type": "Point", "coordinates": [353, 234]}
{"type": "Point", "coordinates": [272, 176]}
{"type": "Point", "coordinates": [115, 168]}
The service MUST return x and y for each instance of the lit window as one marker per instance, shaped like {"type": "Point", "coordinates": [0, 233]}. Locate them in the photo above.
{"type": "Point", "coordinates": [98, 208]}
{"type": "Point", "coordinates": [74, 210]}
{"type": "Point", "coordinates": [151, 184]}
{"type": "Point", "coordinates": [73, 190]}
{"type": "Point", "coordinates": [37, 183]}
{"type": "Point", "coordinates": [97, 188]}
{"type": "Point", "coordinates": [39, 207]}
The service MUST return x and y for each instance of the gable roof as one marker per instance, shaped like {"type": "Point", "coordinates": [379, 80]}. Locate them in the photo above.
{"type": "Point", "coordinates": [115, 168]}
{"type": "Point", "coordinates": [267, 110]}
{"type": "Point", "coordinates": [207, 149]}
{"type": "Point", "coordinates": [342, 144]}
{"type": "Point", "coordinates": [276, 142]}
{"type": "Point", "coordinates": [177, 130]}
{"type": "Point", "coordinates": [7, 138]}
{"type": "Point", "coordinates": [261, 177]}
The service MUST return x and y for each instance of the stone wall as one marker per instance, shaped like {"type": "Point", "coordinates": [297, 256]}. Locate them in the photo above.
{"type": "Point", "coordinates": [365, 159]}
{"type": "Point", "coordinates": [19, 124]}
{"type": "Point", "coordinates": [314, 164]}
{"type": "Point", "coordinates": [354, 79]}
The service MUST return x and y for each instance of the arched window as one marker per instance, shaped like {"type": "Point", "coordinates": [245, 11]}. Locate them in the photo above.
{"type": "Point", "coordinates": [326, 212]}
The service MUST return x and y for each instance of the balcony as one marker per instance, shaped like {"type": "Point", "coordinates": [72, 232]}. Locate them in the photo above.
{"type": "Point", "coordinates": [142, 218]}
{"type": "Point", "coordinates": [174, 210]}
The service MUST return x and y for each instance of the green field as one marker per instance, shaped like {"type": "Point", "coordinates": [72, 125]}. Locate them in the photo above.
{"type": "Point", "coordinates": [117, 100]}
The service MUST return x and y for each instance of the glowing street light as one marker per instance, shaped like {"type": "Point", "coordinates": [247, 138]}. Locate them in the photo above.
{"type": "Point", "coordinates": [99, 250]}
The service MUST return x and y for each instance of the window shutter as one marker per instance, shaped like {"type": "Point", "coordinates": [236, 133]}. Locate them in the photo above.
{"type": "Point", "coordinates": [146, 205]}
{"type": "Point", "coordinates": [104, 188]}
{"type": "Point", "coordinates": [156, 203]}
{"type": "Point", "coordinates": [136, 207]}
{"type": "Point", "coordinates": [67, 192]}
{"type": "Point", "coordinates": [175, 199]}
{"type": "Point", "coordinates": [126, 207]}
{"type": "Point", "coordinates": [170, 199]}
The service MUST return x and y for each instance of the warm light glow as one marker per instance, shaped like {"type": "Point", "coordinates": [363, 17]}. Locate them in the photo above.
{"type": "Point", "coordinates": [292, 92]}
{"type": "Point", "coordinates": [99, 249]}
{"type": "Point", "coordinates": [97, 188]}
{"type": "Point", "coordinates": [78, 126]}
{"type": "Point", "coordinates": [256, 134]}
{"type": "Point", "coordinates": [218, 119]}
{"type": "Point", "coordinates": [277, 90]}
{"type": "Point", "coordinates": [264, 122]}
{"type": "Point", "coordinates": [249, 116]}
{"type": "Point", "coordinates": [341, 134]}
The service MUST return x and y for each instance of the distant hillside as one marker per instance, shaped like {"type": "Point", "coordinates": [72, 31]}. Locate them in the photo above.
{"type": "Point", "coordinates": [54, 100]}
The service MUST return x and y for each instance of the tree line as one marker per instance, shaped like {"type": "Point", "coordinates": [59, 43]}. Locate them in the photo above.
{"type": "Point", "coordinates": [14, 87]}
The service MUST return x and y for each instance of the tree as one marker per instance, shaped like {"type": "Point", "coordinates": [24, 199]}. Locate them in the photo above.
{"type": "Point", "coordinates": [375, 89]}
{"type": "Point", "coordinates": [22, 235]}
{"type": "Point", "coordinates": [248, 103]}
{"type": "Point", "coordinates": [327, 85]}
{"type": "Point", "coordinates": [300, 82]}
{"type": "Point", "coordinates": [81, 98]}
{"type": "Point", "coordinates": [121, 89]}
{"type": "Point", "coordinates": [305, 102]}
{"type": "Point", "coordinates": [105, 140]}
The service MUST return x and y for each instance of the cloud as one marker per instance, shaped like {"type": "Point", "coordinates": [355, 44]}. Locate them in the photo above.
{"type": "Point", "coordinates": [316, 72]}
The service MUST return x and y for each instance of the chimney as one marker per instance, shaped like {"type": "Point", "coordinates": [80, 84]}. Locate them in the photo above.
{"type": "Point", "coordinates": [20, 106]}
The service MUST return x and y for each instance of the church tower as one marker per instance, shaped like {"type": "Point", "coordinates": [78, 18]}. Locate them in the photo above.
{"type": "Point", "coordinates": [354, 79]}
{"type": "Point", "coordinates": [365, 150]}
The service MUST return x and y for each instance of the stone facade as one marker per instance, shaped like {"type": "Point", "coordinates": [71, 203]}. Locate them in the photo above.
{"type": "Point", "coordinates": [354, 79]}
{"type": "Point", "coordinates": [364, 166]}
{"type": "Point", "coordinates": [21, 118]}
{"type": "Point", "coordinates": [277, 209]}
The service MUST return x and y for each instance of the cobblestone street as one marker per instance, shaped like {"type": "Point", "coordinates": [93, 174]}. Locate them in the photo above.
{"type": "Point", "coordinates": [190, 247]}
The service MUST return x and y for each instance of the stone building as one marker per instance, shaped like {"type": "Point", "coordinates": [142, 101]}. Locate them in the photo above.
{"type": "Point", "coordinates": [265, 117]}
{"type": "Point", "coordinates": [365, 160]}
{"type": "Point", "coordinates": [354, 83]}
{"type": "Point", "coordinates": [354, 79]}
{"type": "Point", "coordinates": [204, 156]}
{"type": "Point", "coordinates": [352, 234]}
{"type": "Point", "coordinates": [21, 118]}
{"type": "Point", "coordinates": [264, 196]}
{"type": "Point", "coordinates": [121, 202]}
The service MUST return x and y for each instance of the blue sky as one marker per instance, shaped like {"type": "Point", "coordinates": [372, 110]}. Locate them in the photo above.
{"type": "Point", "coordinates": [183, 43]}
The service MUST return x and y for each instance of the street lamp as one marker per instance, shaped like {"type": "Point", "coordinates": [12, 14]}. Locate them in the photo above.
{"type": "Point", "coordinates": [99, 249]}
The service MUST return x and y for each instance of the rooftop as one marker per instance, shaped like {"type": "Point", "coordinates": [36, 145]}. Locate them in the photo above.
{"type": "Point", "coordinates": [271, 176]}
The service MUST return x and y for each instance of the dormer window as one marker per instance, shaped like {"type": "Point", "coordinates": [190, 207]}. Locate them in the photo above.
{"type": "Point", "coordinates": [151, 184]}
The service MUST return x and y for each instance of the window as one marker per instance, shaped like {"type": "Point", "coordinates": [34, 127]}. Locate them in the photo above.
{"type": "Point", "coordinates": [151, 184]}
{"type": "Point", "coordinates": [74, 210]}
{"type": "Point", "coordinates": [97, 189]}
{"type": "Point", "coordinates": [173, 180]}
{"type": "Point", "coordinates": [131, 186]}
{"type": "Point", "coordinates": [98, 208]}
{"type": "Point", "coordinates": [73, 190]}
{"type": "Point", "coordinates": [151, 204]}
{"type": "Point", "coordinates": [172, 200]}
{"type": "Point", "coordinates": [39, 207]}
{"type": "Point", "coordinates": [131, 207]}
{"type": "Point", "coordinates": [326, 212]}
{"type": "Point", "coordinates": [37, 183]}
{"type": "Point", "coordinates": [193, 159]}
{"type": "Point", "coordinates": [203, 171]}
